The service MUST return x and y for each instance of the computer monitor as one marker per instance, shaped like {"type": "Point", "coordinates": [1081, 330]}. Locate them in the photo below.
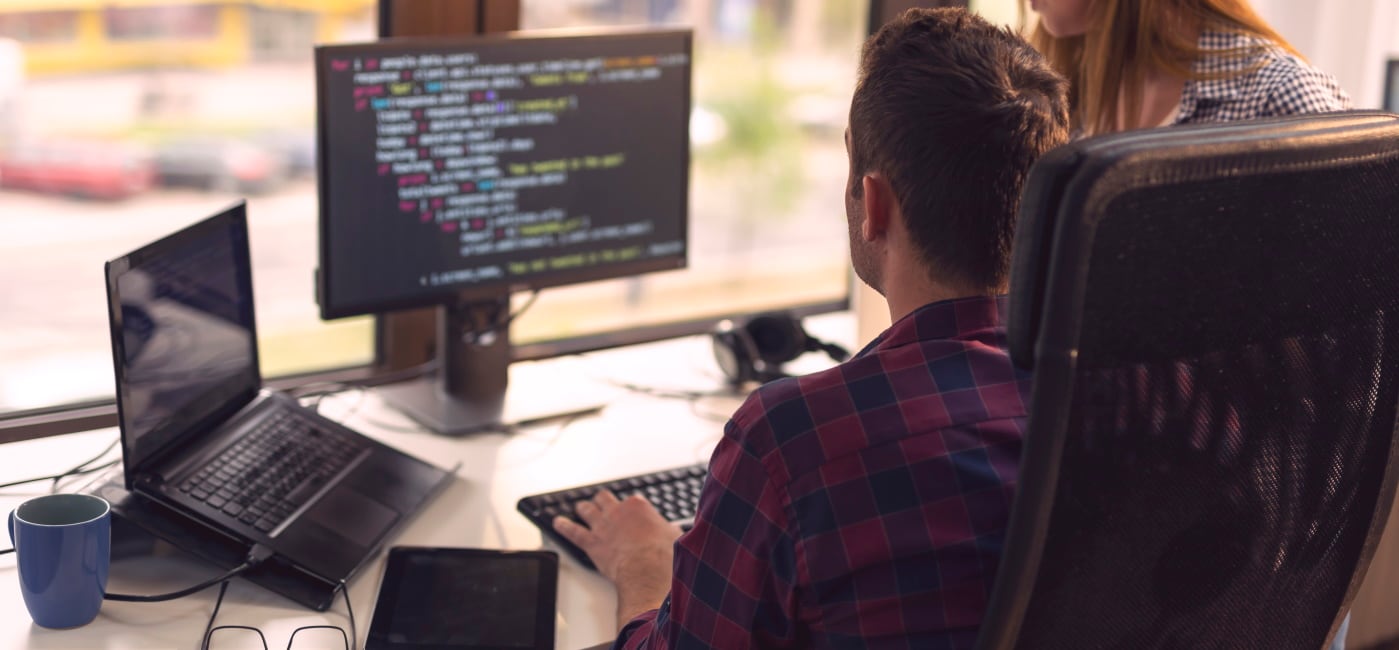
{"type": "Point", "coordinates": [1391, 86]}
{"type": "Point", "coordinates": [454, 171]}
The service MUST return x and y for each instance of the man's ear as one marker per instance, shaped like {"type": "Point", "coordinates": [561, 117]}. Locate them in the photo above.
{"type": "Point", "coordinates": [878, 204]}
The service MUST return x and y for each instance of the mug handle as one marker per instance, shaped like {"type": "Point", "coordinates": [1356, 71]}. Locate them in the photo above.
{"type": "Point", "coordinates": [12, 529]}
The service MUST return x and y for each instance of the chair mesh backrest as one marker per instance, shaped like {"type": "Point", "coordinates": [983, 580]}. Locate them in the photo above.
{"type": "Point", "coordinates": [1225, 428]}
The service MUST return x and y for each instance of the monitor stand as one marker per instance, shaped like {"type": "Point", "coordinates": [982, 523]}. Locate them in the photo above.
{"type": "Point", "coordinates": [467, 393]}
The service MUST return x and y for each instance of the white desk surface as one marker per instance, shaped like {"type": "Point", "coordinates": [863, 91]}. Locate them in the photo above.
{"type": "Point", "coordinates": [635, 433]}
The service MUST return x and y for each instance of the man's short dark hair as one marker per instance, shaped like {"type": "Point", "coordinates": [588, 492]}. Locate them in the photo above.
{"type": "Point", "coordinates": [953, 111]}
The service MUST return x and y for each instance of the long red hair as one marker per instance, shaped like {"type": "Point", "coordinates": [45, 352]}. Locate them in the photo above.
{"type": "Point", "coordinates": [1108, 65]}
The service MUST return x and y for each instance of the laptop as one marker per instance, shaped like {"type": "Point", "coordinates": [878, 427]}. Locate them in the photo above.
{"type": "Point", "coordinates": [201, 435]}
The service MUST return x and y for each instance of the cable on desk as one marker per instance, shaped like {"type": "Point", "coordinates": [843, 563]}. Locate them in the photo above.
{"type": "Point", "coordinates": [209, 628]}
{"type": "Point", "coordinates": [320, 388]}
{"type": "Point", "coordinates": [6, 550]}
{"type": "Point", "coordinates": [256, 556]}
{"type": "Point", "coordinates": [354, 634]}
{"type": "Point", "coordinates": [315, 405]}
{"type": "Point", "coordinates": [87, 470]}
{"type": "Point", "coordinates": [80, 468]}
{"type": "Point", "coordinates": [672, 394]}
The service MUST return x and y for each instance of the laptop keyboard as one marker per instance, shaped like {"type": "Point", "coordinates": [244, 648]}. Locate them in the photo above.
{"type": "Point", "coordinates": [674, 492]}
{"type": "Point", "coordinates": [270, 472]}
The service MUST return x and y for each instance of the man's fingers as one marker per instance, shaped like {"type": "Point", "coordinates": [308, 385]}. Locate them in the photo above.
{"type": "Point", "coordinates": [605, 499]}
{"type": "Point", "coordinates": [641, 504]}
{"type": "Point", "coordinates": [573, 532]}
{"type": "Point", "coordinates": [588, 511]}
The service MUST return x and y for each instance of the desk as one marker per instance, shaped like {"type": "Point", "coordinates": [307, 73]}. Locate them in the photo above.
{"type": "Point", "coordinates": [634, 433]}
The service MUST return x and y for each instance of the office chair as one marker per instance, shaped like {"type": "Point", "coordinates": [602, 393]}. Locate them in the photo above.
{"type": "Point", "coordinates": [1212, 318]}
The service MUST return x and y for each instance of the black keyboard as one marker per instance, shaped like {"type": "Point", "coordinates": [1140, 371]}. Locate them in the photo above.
{"type": "Point", "coordinates": [674, 492]}
{"type": "Point", "coordinates": [273, 470]}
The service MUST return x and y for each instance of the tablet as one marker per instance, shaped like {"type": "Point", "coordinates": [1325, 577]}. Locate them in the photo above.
{"type": "Point", "coordinates": [465, 599]}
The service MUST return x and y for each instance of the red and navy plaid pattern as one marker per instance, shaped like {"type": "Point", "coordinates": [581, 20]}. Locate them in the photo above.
{"type": "Point", "coordinates": [863, 506]}
{"type": "Point", "coordinates": [1250, 77]}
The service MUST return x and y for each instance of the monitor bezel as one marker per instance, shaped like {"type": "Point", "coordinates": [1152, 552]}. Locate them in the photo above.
{"type": "Point", "coordinates": [1390, 99]}
{"type": "Point", "coordinates": [331, 309]}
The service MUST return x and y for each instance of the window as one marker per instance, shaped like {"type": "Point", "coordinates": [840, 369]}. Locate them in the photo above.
{"type": "Point", "coordinates": [771, 90]}
{"type": "Point", "coordinates": [1001, 12]}
{"type": "Point", "coordinates": [161, 22]}
{"type": "Point", "coordinates": [222, 79]}
{"type": "Point", "coordinates": [146, 120]}
{"type": "Point", "coordinates": [39, 26]}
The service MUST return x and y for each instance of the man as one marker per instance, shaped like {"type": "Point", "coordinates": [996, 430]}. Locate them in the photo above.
{"type": "Point", "coordinates": [865, 506]}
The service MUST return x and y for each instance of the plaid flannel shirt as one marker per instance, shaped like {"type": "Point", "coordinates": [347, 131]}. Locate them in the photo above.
{"type": "Point", "coordinates": [1252, 77]}
{"type": "Point", "coordinates": [862, 506]}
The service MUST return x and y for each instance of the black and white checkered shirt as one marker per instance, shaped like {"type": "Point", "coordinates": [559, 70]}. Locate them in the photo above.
{"type": "Point", "coordinates": [1264, 81]}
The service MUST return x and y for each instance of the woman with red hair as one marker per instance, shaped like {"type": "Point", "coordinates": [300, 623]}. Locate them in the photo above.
{"type": "Point", "coordinates": [1146, 63]}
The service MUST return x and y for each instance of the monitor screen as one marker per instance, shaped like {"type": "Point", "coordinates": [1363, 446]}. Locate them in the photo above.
{"type": "Point", "coordinates": [462, 168]}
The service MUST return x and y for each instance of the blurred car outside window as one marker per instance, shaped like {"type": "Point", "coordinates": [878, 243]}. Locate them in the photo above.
{"type": "Point", "coordinates": [123, 122]}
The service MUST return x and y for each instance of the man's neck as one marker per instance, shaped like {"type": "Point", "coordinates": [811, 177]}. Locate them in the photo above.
{"type": "Point", "coordinates": [911, 298]}
{"type": "Point", "coordinates": [908, 282]}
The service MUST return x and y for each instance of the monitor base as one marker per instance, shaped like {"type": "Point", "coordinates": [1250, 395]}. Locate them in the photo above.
{"type": "Point", "coordinates": [426, 403]}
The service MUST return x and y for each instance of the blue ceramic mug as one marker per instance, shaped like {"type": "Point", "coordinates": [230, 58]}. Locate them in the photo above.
{"type": "Point", "coordinates": [63, 547]}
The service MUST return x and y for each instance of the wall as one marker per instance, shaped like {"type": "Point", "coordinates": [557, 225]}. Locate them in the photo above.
{"type": "Point", "coordinates": [1350, 39]}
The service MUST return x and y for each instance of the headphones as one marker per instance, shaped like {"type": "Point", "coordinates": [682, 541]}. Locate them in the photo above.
{"type": "Point", "coordinates": [756, 350]}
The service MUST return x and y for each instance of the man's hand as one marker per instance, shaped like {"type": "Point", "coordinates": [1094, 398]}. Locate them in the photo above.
{"type": "Point", "coordinates": [631, 544]}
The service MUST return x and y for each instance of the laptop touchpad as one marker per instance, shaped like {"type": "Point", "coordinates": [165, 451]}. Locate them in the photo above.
{"type": "Point", "coordinates": [353, 516]}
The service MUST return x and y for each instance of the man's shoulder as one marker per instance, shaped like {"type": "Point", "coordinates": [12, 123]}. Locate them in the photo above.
{"type": "Point", "coordinates": [780, 410]}
{"type": "Point", "coordinates": [887, 388]}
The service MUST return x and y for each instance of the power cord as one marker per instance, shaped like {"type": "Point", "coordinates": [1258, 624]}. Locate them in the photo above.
{"type": "Point", "coordinates": [483, 333]}
{"type": "Point", "coordinates": [322, 388]}
{"type": "Point", "coordinates": [81, 468]}
{"type": "Point", "coordinates": [256, 556]}
{"type": "Point", "coordinates": [354, 634]}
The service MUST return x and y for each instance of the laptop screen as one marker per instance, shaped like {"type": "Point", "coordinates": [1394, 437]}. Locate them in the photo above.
{"type": "Point", "coordinates": [183, 342]}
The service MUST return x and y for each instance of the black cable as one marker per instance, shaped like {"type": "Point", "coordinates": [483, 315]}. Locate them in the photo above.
{"type": "Point", "coordinates": [318, 388]}
{"type": "Point", "coordinates": [255, 557]}
{"type": "Point", "coordinates": [690, 395]}
{"type": "Point", "coordinates": [81, 472]}
{"type": "Point", "coordinates": [110, 446]}
{"type": "Point", "coordinates": [529, 302]}
{"type": "Point", "coordinates": [6, 550]}
{"type": "Point", "coordinates": [78, 469]}
{"type": "Point", "coordinates": [209, 627]}
{"type": "Point", "coordinates": [354, 634]}
{"type": "Point", "coordinates": [481, 330]}
{"type": "Point", "coordinates": [160, 598]}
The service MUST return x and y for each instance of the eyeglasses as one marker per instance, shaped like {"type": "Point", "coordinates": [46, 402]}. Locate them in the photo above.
{"type": "Point", "coordinates": [230, 637]}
